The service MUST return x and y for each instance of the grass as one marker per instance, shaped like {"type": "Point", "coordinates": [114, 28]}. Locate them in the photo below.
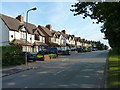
{"type": "Point", "coordinates": [114, 70]}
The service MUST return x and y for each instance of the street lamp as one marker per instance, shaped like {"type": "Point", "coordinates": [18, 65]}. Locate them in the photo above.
{"type": "Point", "coordinates": [26, 30]}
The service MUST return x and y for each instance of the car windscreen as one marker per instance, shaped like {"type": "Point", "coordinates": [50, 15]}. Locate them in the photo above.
{"type": "Point", "coordinates": [33, 53]}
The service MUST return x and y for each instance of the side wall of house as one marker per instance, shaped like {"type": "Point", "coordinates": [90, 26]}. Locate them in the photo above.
{"type": "Point", "coordinates": [47, 38]}
{"type": "Point", "coordinates": [4, 34]}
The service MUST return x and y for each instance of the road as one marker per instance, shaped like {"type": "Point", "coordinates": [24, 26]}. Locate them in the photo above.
{"type": "Point", "coordinates": [79, 70]}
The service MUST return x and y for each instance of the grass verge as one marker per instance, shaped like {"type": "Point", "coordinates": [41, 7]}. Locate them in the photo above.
{"type": "Point", "coordinates": [114, 69]}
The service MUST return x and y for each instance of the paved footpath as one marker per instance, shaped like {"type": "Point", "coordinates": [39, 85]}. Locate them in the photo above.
{"type": "Point", "coordinates": [79, 70]}
{"type": "Point", "coordinates": [20, 68]}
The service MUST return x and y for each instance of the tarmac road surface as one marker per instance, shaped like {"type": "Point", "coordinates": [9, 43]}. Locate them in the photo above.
{"type": "Point", "coordinates": [78, 70]}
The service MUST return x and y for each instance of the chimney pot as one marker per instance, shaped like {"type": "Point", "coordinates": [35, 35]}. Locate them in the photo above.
{"type": "Point", "coordinates": [20, 18]}
{"type": "Point", "coordinates": [49, 27]}
{"type": "Point", "coordinates": [64, 31]}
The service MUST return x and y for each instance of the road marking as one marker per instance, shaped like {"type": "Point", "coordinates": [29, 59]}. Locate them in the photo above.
{"type": "Point", "coordinates": [25, 87]}
{"type": "Point", "coordinates": [59, 72]}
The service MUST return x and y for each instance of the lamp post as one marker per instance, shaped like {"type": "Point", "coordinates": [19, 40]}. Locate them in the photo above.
{"type": "Point", "coordinates": [26, 30]}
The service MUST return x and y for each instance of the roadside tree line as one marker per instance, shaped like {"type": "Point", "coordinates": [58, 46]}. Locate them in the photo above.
{"type": "Point", "coordinates": [107, 13]}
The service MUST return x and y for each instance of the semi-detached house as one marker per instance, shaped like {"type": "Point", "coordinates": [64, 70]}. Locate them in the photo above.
{"type": "Point", "coordinates": [14, 32]}
{"type": "Point", "coordinates": [53, 38]}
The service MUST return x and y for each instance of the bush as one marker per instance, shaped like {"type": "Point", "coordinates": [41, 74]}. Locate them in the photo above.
{"type": "Point", "coordinates": [39, 56]}
{"type": "Point", "coordinates": [12, 55]}
{"type": "Point", "coordinates": [53, 55]}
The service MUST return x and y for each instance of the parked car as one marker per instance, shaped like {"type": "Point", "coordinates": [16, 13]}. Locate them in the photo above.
{"type": "Point", "coordinates": [89, 49]}
{"type": "Point", "coordinates": [73, 49]}
{"type": "Point", "coordinates": [84, 50]}
{"type": "Point", "coordinates": [65, 51]}
{"type": "Point", "coordinates": [31, 56]}
{"type": "Point", "coordinates": [43, 52]}
{"type": "Point", "coordinates": [94, 49]}
{"type": "Point", "coordinates": [79, 50]}
{"type": "Point", "coordinates": [54, 51]}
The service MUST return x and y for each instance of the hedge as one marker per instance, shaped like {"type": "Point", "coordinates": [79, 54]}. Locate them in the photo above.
{"type": "Point", "coordinates": [39, 56]}
{"type": "Point", "coordinates": [53, 55]}
{"type": "Point", "coordinates": [12, 55]}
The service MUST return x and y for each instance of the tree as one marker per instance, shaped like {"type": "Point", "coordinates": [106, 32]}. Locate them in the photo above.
{"type": "Point", "coordinates": [104, 12]}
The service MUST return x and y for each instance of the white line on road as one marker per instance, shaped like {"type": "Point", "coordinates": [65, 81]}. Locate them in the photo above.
{"type": "Point", "coordinates": [59, 72]}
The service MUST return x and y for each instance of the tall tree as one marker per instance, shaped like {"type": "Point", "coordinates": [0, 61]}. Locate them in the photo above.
{"type": "Point", "coordinates": [104, 12]}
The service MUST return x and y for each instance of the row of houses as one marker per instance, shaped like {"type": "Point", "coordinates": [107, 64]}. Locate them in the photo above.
{"type": "Point", "coordinates": [16, 30]}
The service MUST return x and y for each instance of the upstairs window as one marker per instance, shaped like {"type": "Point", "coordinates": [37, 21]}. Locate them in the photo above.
{"type": "Point", "coordinates": [37, 37]}
{"type": "Point", "coordinates": [23, 35]}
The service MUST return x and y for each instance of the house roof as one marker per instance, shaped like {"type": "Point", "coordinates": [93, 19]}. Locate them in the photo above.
{"type": "Point", "coordinates": [12, 23]}
{"type": "Point", "coordinates": [39, 32]}
{"type": "Point", "coordinates": [58, 33]}
{"type": "Point", "coordinates": [77, 38]}
{"type": "Point", "coordinates": [55, 32]}
{"type": "Point", "coordinates": [31, 28]}
{"type": "Point", "coordinates": [46, 30]}
{"type": "Point", "coordinates": [64, 34]}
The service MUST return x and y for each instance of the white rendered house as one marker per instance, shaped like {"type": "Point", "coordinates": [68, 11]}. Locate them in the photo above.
{"type": "Point", "coordinates": [13, 31]}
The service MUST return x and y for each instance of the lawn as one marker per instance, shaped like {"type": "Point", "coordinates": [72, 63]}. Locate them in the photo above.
{"type": "Point", "coordinates": [114, 70]}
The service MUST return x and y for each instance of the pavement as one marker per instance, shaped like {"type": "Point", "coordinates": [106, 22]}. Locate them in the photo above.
{"type": "Point", "coordinates": [79, 70]}
{"type": "Point", "coordinates": [17, 69]}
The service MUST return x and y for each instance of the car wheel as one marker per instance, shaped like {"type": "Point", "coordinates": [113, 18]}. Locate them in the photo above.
{"type": "Point", "coordinates": [34, 60]}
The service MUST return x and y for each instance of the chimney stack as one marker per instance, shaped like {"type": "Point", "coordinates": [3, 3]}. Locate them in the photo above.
{"type": "Point", "coordinates": [73, 35]}
{"type": "Point", "coordinates": [20, 18]}
{"type": "Point", "coordinates": [49, 27]}
{"type": "Point", "coordinates": [64, 31]}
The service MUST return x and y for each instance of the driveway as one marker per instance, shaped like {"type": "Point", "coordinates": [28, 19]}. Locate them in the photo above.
{"type": "Point", "coordinates": [79, 70]}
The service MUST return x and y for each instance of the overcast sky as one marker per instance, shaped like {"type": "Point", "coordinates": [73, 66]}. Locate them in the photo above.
{"type": "Point", "coordinates": [57, 14]}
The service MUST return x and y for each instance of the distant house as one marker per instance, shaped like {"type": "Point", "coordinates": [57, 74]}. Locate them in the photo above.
{"type": "Point", "coordinates": [66, 39]}
{"type": "Point", "coordinates": [62, 39]}
{"type": "Point", "coordinates": [14, 32]}
{"type": "Point", "coordinates": [72, 40]}
{"type": "Point", "coordinates": [39, 40]}
{"type": "Point", "coordinates": [46, 31]}
{"type": "Point", "coordinates": [55, 41]}
{"type": "Point", "coordinates": [52, 38]}
{"type": "Point", "coordinates": [78, 42]}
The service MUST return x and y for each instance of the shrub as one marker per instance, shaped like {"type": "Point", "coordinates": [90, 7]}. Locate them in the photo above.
{"type": "Point", "coordinates": [12, 55]}
{"type": "Point", "coordinates": [53, 55]}
{"type": "Point", "coordinates": [39, 56]}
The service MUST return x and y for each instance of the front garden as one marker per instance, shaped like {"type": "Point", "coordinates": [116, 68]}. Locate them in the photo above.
{"type": "Point", "coordinates": [12, 55]}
